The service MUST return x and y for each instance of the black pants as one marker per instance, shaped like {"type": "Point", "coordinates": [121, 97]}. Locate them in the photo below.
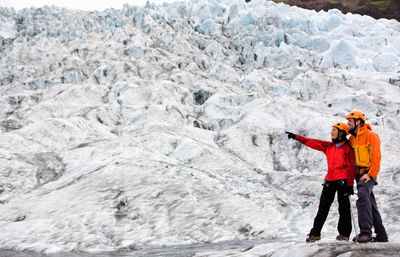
{"type": "Point", "coordinates": [327, 197]}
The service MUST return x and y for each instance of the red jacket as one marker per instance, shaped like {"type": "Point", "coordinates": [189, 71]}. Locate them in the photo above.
{"type": "Point", "coordinates": [341, 160]}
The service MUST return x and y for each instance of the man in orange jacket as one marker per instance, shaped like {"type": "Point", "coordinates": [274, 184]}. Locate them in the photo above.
{"type": "Point", "coordinates": [366, 145]}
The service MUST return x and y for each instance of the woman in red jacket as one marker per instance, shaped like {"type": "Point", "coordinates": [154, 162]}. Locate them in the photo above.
{"type": "Point", "coordinates": [340, 177]}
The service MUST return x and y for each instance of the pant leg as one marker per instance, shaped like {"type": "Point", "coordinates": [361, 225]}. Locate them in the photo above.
{"type": "Point", "coordinates": [377, 220]}
{"type": "Point", "coordinates": [364, 206]}
{"type": "Point", "coordinates": [325, 202]}
{"type": "Point", "coordinates": [344, 225]}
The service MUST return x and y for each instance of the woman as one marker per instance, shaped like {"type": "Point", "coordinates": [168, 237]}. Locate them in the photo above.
{"type": "Point", "coordinates": [340, 177]}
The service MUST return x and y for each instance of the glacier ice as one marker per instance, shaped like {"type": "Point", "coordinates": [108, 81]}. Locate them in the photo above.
{"type": "Point", "coordinates": [164, 124]}
{"type": "Point", "coordinates": [340, 54]}
{"type": "Point", "coordinates": [386, 62]}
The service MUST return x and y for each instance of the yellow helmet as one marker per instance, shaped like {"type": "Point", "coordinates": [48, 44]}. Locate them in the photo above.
{"type": "Point", "coordinates": [356, 115]}
{"type": "Point", "coordinates": [341, 126]}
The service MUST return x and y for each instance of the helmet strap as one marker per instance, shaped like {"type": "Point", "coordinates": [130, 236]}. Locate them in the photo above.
{"type": "Point", "coordinates": [340, 138]}
{"type": "Point", "coordinates": [354, 130]}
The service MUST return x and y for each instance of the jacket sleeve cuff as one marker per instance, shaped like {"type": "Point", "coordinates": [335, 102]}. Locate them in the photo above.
{"type": "Point", "coordinates": [372, 176]}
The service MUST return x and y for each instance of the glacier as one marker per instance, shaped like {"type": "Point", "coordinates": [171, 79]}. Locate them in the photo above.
{"type": "Point", "coordinates": [164, 125]}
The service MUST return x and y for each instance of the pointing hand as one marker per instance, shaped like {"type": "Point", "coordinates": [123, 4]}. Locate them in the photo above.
{"type": "Point", "coordinates": [290, 135]}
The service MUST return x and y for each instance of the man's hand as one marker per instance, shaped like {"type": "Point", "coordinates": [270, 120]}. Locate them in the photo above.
{"type": "Point", "coordinates": [365, 178]}
{"type": "Point", "coordinates": [290, 135]}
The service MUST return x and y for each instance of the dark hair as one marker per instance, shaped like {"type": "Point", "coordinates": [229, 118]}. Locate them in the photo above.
{"type": "Point", "coordinates": [341, 135]}
{"type": "Point", "coordinates": [362, 122]}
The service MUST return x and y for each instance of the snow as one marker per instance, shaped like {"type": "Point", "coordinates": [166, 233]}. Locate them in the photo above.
{"type": "Point", "coordinates": [164, 125]}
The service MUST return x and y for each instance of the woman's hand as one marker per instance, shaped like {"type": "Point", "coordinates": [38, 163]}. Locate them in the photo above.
{"type": "Point", "coordinates": [290, 135]}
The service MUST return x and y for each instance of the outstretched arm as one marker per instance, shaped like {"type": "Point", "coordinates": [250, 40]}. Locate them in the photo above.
{"type": "Point", "coordinates": [315, 144]}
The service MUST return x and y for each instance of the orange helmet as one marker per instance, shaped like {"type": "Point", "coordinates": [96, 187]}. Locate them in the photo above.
{"type": "Point", "coordinates": [341, 126]}
{"type": "Point", "coordinates": [356, 115]}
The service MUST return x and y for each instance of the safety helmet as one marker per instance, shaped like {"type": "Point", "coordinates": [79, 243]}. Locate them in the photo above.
{"type": "Point", "coordinates": [341, 126]}
{"type": "Point", "coordinates": [356, 115]}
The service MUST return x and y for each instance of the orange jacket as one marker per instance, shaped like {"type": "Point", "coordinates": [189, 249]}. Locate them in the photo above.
{"type": "Point", "coordinates": [367, 149]}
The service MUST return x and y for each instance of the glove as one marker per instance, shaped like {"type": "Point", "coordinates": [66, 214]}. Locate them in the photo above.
{"type": "Point", "coordinates": [349, 191]}
{"type": "Point", "coordinates": [290, 135]}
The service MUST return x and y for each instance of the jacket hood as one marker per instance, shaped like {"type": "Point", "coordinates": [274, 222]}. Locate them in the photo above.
{"type": "Point", "coordinates": [364, 129]}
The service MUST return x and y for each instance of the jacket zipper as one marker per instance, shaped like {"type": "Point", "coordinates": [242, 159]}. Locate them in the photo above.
{"type": "Point", "coordinates": [358, 148]}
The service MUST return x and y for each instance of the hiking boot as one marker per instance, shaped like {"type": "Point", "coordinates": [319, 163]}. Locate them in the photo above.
{"type": "Point", "coordinates": [342, 238]}
{"type": "Point", "coordinates": [312, 238]}
{"type": "Point", "coordinates": [362, 238]}
{"type": "Point", "coordinates": [379, 240]}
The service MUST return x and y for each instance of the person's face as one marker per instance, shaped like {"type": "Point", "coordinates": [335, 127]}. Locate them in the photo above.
{"type": "Point", "coordinates": [351, 123]}
{"type": "Point", "coordinates": [334, 133]}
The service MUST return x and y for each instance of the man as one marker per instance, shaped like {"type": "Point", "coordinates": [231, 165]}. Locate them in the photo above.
{"type": "Point", "coordinates": [367, 151]}
{"type": "Point", "coordinates": [339, 178]}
